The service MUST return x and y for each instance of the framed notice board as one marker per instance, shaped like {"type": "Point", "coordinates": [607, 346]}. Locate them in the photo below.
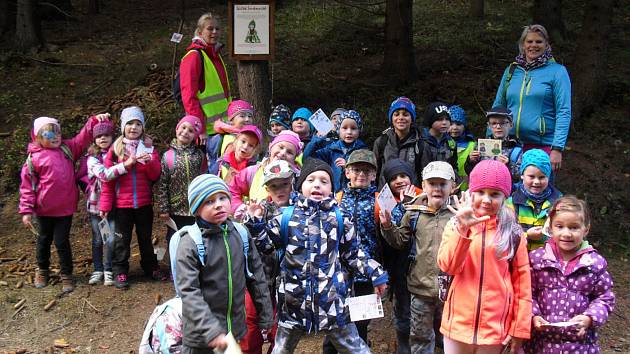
{"type": "Point", "coordinates": [251, 35]}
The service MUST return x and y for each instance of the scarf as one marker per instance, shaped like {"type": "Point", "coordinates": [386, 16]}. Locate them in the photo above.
{"type": "Point", "coordinates": [536, 63]}
{"type": "Point", "coordinates": [130, 146]}
{"type": "Point", "coordinates": [538, 199]}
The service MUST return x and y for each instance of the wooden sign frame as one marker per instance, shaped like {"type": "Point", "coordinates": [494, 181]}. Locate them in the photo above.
{"type": "Point", "coordinates": [245, 44]}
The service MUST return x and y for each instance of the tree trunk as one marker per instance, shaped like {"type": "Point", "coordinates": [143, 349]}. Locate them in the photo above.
{"type": "Point", "coordinates": [476, 9]}
{"type": "Point", "coordinates": [28, 32]}
{"type": "Point", "coordinates": [254, 86]}
{"type": "Point", "coordinates": [399, 61]}
{"type": "Point", "coordinates": [589, 73]}
{"type": "Point", "coordinates": [7, 16]}
{"type": "Point", "coordinates": [549, 14]}
{"type": "Point", "coordinates": [93, 7]}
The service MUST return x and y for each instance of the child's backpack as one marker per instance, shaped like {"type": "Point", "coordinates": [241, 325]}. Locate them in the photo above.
{"type": "Point", "coordinates": [515, 154]}
{"type": "Point", "coordinates": [195, 233]}
{"type": "Point", "coordinates": [163, 329]}
{"type": "Point", "coordinates": [31, 168]}
{"type": "Point", "coordinates": [177, 90]}
{"type": "Point", "coordinates": [287, 212]}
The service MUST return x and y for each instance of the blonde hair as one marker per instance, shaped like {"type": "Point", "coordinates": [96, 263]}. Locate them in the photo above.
{"type": "Point", "coordinates": [202, 20]}
{"type": "Point", "coordinates": [119, 145]}
{"type": "Point", "coordinates": [571, 204]}
{"type": "Point", "coordinates": [540, 29]}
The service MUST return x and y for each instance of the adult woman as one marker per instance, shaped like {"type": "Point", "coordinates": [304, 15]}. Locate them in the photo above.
{"type": "Point", "coordinates": [203, 78]}
{"type": "Point", "coordinates": [538, 91]}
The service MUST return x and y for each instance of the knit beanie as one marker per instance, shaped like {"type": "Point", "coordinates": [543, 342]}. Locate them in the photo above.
{"type": "Point", "coordinates": [281, 114]}
{"type": "Point", "coordinates": [490, 174]}
{"type": "Point", "coordinates": [458, 115]}
{"type": "Point", "coordinates": [395, 167]}
{"type": "Point", "coordinates": [402, 103]}
{"type": "Point", "coordinates": [238, 106]}
{"type": "Point", "coordinates": [537, 158]}
{"type": "Point", "coordinates": [337, 111]}
{"type": "Point", "coordinates": [312, 165]}
{"type": "Point", "coordinates": [130, 113]}
{"type": "Point", "coordinates": [192, 120]}
{"type": "Point", "coordinates": [349, 115]}
{"type": "Point", "coordinates": [105, 127]}
{"type": "Point", "coordinates": [40, 122]}
{"type": "Point", "coordinates": [434, 111]}
{"type": "Point", "coordinates": [203, 187]}
{"type": "Point", "coordinates": [303, 113]}
{"type": "Point", "coordinates": [291, 138]}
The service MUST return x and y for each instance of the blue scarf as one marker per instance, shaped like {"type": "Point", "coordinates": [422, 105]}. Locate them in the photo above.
{"type": "Point", "coordinates": [538, 199]}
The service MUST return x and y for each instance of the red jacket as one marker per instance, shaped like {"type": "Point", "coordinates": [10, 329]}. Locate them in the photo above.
{"type": "Point", "coordinates": [191, 80]}
{"type": "Point", "coordinates": [131, 190]}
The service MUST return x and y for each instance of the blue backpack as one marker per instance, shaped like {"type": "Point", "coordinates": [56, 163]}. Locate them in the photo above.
{"type": "Point", "coordinates": [195, 233]}
{"type": "Point", "coordinates": [284, 228]}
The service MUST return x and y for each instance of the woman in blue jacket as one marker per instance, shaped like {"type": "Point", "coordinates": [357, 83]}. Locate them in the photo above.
{"type": "Point", "coordinates": [538, 90]}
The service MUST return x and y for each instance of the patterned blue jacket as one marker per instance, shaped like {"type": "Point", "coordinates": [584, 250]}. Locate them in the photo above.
{"type": "Point", "coordinates": [317, 266]}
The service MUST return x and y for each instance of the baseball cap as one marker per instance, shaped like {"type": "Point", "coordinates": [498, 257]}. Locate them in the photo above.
{"type": "Point", "coordinates": [278, 169]}
{"type": "Point", "coordinates": [362, 155]}
{"type": "Point", "coordinates": [500, 112]}
{"type": "Point", "coordinates": [438, 169]}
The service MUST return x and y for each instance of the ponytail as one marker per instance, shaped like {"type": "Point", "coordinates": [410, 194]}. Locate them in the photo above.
{"type": "Point", "coordinates": [507, 229]}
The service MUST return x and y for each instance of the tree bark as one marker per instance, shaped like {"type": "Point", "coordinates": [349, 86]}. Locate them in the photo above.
{"type": "Point", "coordinates": [93, 7]}
{"type": "Point", "coordinates": [254, 86]}
{"type": "Point", "coordinates": [549, 14]}
{"type": "Point", "coordinates": [7, 16]}
{"type": "Point", "coordinates": [589, 73]}
{"type": "Point", "coordinates": [399, 61]}
{"type": "Point", "coordinates": [28, 32]}
{"type": "Point", "coordinates": [476, 9]}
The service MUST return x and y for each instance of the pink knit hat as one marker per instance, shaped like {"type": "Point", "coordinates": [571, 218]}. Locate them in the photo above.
{"type": "Point", "coordinates": [238, 106]}
{"type": "Point", "coordinates": [290, 137]}
{"type": "Point", "coordinates": [105, 127]}
{"type": "Point", "coordinates": [490, 174]}
{"type": "Point", "coordinates": [252, 129]}
{"type": "Point", "coordinates": [192, 120]}
{"type": "Point", "coordinates": [41, 121]}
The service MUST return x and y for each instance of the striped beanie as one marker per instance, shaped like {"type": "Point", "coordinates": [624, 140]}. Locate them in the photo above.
{"type": "Point", "coordinates": [202, 187]}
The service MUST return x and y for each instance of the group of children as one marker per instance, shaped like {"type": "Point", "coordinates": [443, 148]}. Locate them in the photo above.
{"type": "Point", "coordinates": [314, 234]}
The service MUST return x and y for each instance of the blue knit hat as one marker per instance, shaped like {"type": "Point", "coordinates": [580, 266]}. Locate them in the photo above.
{"type": "Point", "coordinates": [458, 115]}
{"type": "Point", "coordinates": [402, 103]}
{"type": "Point", "coordinates": [281, 114]}
{"type": "Point", "coordinates": [202, 187]}
{"type": "Point", "coordinates": [303, 113]}
{"type": "Point", "coordinates": [537, 158]}
{"type": "Point", "coordinates": [354, 115]}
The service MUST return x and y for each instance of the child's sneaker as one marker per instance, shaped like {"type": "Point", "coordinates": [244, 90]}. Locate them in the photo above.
{"type": "Point", "coordinates": [158, 275]}
{"type": "Point", "coordinates": [67, 283]}
{"type": "Point", "coordinates": [95, 278]}
{"type": "Point", "coordinates": [41, 278]}
{"type": "Point", "coordinates": [121, 281]}
{"type": "Point", "coordinates": [109, 278]}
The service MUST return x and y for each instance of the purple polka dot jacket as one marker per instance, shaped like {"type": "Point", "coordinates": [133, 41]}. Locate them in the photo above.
{"type": "Point", "coordinates": [561, 291]}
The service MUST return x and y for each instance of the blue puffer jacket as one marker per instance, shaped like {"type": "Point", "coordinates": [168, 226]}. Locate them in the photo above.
{"type": "Point", "coordinates": [540, 100]}
{"type": "Point", "coordinates": [317, 266]}
{"type": "Point", "coordinates": [335, 150]}
{"type": "Point", "coordinates": [358, 205]}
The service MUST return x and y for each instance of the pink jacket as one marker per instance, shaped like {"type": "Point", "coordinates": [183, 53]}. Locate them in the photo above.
{"type": "Point", "coordinates": [57, 193]}
{"type": "Point", "coordinates": [240, 184]}
{"type": "Point", "coordinates": [131, 190]}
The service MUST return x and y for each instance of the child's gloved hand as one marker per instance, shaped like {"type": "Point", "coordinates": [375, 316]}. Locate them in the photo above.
{"type": "Point", "coordinates": [538, 322]}
{"type": "Point", "coordinates": [218, 342]}
{"type": "Point", "coordinates": [464, 214]}
{"type": "Point", "coordinates": [340, 162]}
{"type": "Point", "coordinates": [103, 117]}
{"type": "Point", "coordinates": [379, 290]}
{"type": "Point", "coordinates": [583, 323]}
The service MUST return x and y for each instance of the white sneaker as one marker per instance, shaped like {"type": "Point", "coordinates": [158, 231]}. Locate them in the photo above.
{"type": "Point", "coordinates": [109, 279]}
{"type": "Point", "coordinates": [96, 278]}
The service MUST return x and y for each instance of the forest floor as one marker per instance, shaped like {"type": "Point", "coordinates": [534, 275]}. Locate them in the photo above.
{"type": "Point", "coordinates": [103, 63]}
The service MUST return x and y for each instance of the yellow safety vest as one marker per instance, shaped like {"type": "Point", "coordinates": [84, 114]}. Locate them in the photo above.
{"type": "Point", "coordinates": [257, 190]}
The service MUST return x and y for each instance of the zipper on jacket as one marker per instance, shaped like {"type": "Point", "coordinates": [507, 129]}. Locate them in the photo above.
{"type": "Point", "coordinates": [483, 257]}
{"type": "Point", "coordinates": [520, 106]}
{"type": "Point", "coordinates": [187, 159]}
{"type": "Point", "coordinates": [529, 86]}
{"type": "Point", "coordinates": [134, 192]}
{"type": "Point", "coordinates": [229, 261]}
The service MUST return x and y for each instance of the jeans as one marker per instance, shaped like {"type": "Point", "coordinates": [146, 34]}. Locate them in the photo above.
{"type": "Point", "coordinates": [424, 312]}
{"type": "Point", "coordinates": [57, 229]}
{"type": "Point", "coordinates": [346, 340]}
{"type": "Point", "coordinates": [126, 218]}
{"type": "Point", "coordinates": [97, 243]}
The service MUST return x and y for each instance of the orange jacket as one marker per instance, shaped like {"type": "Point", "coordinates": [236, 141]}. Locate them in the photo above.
{"type": "Point", "coordinates": [485, 302]}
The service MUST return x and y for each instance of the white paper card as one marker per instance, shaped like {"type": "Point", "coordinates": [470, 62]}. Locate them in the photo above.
{"type": "Point", "coordinates": [386, 200]}
{"type": "Point", "coordinates": [232, 347]}
{"type": "Point", "coordinates": [560, 324]}
{"type": "Point", "coordinates": [365, 307]}
{"type": "Point", "coordinates": [143, 149]}
{"type": "Point", "coordinates": [321, 122]}
{"type": "Point", "coordinates": [177, 37]}
{"type": "Point", "coordinates": [106, 231]}
{"type": "Point", "coordinates": [170, 223]}
{"type": "Point", "coordinates": [159, 252]}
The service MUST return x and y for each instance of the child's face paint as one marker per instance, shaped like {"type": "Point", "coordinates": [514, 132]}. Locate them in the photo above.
{"type": "Point", "coordinates": [456, 130]}
{"type": "Point", "coordinates": [51, 139]}
{"type": "Point", "coordinates": [349, 131]}
{"type": "Point", "coordinates": [437, 190]}
{"type": "Point", "coordinates": [283, 151]}
{"type": "Point", "coordinates": [317, 186]}
{"type": "Point", "coordinates": [279, 190]}
{"type": "Point", "coordinates": [401, 120]}
{"type": "Point", "coordinates": [216, 209]}
{"type": "Point", "coordinates": [242, 119]}
{"type": "Point", "coordinates": [185, 134]}
{"type": "Point", "coordinates": [487, 201]}
{"type": "Point", "coordinates": [534, 180]}
{"type": "Point", "coordinates": [568, 231]}
{"type": "Point", "coordinates": [103, 141]}
{"type": "Point", "coordinates": [245, 146]}
{"type": "Point", "coordinates": [360, 175]}
{"type": "Point", "coordinates": [133, 130]}
{"type": "Point", "coordinates": [276, 128]}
